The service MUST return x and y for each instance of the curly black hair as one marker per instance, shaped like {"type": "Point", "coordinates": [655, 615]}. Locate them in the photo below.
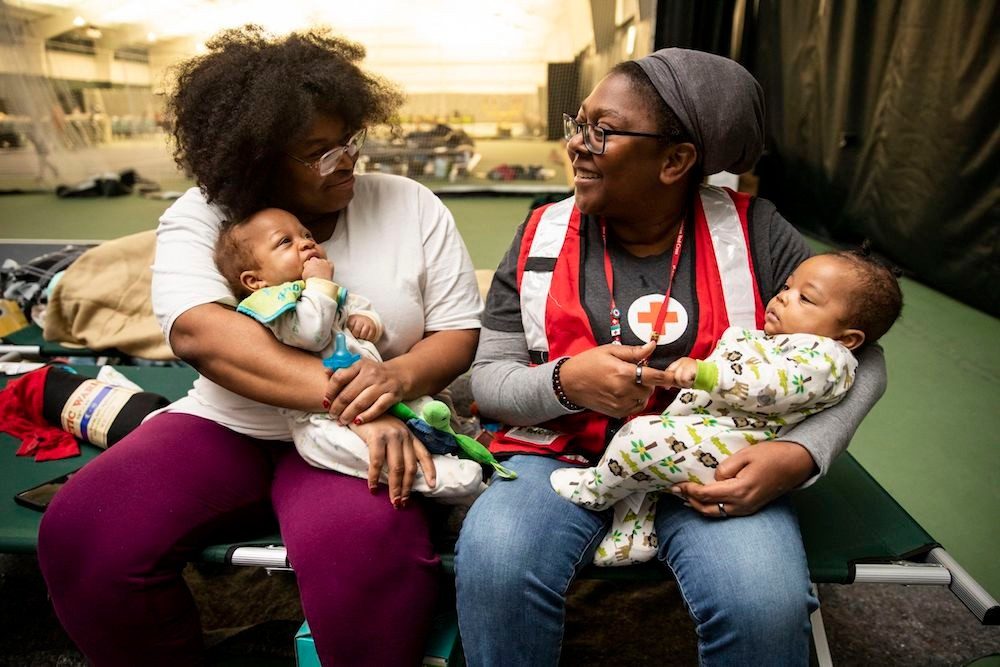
{"type": "Point", "coordinates": [234, 109]}
{"type": "Point", "coordinates": [877, 300]}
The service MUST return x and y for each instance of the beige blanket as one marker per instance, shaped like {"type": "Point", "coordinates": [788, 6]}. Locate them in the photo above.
{"type": "Point", "coordinates": [103, 300]}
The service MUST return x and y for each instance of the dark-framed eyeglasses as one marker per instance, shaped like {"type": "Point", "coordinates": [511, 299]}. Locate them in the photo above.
{"type": "Point", "coordinates": [328, 161]}
{"type": "Point", "coordinates": [594, 137]}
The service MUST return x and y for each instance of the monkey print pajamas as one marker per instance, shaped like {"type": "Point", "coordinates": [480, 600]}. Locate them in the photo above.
{"type": "Point", "coordinates": [748, 390]}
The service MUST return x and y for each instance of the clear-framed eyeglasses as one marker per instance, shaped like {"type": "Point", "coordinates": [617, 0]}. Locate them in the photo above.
{"type": "Point", "coordinates": [328, 161]}
{"type": "Point", "coordinates": [594, 137]}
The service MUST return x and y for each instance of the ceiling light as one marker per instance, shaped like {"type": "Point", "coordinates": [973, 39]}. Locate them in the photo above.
{"type": "Point", "coordinates": [79, 22]}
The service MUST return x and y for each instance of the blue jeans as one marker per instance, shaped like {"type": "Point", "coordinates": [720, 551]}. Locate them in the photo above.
{"type": "Point", "coordinates": [745, 579]}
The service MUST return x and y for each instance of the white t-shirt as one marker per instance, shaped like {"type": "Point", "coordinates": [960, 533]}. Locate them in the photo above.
{"type": "Point", "coordinates": [396, 243]}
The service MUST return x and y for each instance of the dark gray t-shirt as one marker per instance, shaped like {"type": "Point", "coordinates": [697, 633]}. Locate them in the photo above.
{"type": "Point", "coordinates": [777, 248]}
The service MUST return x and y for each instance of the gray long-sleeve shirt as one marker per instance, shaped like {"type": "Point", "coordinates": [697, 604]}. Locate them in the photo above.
{"type": "Point", "coordinates": [507, 388]}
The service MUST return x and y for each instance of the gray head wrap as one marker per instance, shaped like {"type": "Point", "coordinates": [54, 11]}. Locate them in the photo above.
{"type": "Point", "coordinates": [718, 102]}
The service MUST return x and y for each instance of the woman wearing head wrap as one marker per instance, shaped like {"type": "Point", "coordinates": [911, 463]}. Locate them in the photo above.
{"type": "Point", "coordinates": [596, 295]}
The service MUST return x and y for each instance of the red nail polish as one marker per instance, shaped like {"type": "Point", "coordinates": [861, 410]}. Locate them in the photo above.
{"type": "Point", "coordinates": [358, 421]}
{"type": "Point", "coordinates": [326, 404]}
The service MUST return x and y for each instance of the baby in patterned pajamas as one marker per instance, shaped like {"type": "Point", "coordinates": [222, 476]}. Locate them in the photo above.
{"type": "Point", "coordinates": [287, 281]}
{"type": "Point", "coordinates": [751, 387]}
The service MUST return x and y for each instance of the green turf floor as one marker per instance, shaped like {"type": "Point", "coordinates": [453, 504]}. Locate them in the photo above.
{"type": "Point", "coordinates": [929, 441]}
{"type": "Point", "coordinates": [487, 223]}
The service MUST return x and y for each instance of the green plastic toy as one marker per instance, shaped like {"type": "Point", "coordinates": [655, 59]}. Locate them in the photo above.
{"type": "Point", "coordinates": [437, 415]}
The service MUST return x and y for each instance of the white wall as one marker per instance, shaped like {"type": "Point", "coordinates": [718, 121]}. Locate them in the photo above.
{"type": "Point", "coordinates": [33, 59]}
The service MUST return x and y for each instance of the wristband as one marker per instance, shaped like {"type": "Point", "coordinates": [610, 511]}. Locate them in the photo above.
{"type": "Point", "coordinates": [558, 388]}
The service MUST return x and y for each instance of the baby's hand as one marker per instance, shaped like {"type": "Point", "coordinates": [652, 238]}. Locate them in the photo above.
{"type": "Point", "coordinates": [684, 370]}
{"type": "Point", "coordinates": [317, 267]}
{"type": "Point", "coordinates": [362, 327]}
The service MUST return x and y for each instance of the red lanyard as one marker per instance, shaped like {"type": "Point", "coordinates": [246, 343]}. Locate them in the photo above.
{"type": "Point", "coordinates": [661, 314]}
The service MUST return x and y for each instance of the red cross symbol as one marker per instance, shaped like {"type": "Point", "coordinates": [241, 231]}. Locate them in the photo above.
{"type": "Point", "coordinates": [649, 316]}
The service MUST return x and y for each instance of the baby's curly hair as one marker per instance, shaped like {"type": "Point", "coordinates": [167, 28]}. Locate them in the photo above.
{"type": "Point", "coordinates": [234, 109]}
{"type": "Point", "coordinates": [877, 300]}
{"type": "Point", "coordinates": [233, 256]}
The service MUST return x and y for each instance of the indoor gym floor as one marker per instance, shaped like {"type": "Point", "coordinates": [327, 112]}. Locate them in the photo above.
{"type": "Point", "coordinates": [927, 442]}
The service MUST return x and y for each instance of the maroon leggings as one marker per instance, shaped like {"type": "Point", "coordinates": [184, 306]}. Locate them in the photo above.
{"type": "Point", "coordinates": [115, 539]}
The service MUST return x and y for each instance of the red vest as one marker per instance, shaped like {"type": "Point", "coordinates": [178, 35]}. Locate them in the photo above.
{"type": "Point", "coordinates": [556, 324]}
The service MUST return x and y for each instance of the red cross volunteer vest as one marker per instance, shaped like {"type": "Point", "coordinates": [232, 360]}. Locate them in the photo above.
{"type": "Point", "coordinates": [556, 324]}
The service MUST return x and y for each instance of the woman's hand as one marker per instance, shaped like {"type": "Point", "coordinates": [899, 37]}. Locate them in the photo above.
{"type": "Point", "coordinates": [361, 393]}
{"type": "Point", "coordinates": [603, 379]}
{"type": "Point", "coordinates": [750, 479]}
{"type": "Point", "coordinates": [391, 444]}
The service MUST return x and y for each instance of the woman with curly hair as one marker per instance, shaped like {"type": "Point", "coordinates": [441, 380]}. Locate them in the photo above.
{"type": "Point", "coordinates": [266, 122]}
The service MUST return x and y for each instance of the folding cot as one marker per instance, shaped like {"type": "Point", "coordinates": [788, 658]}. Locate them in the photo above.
{"type": "Point", "coordinates": [854, 531]}
{"type": "Point", "coordinates": [30, 342]}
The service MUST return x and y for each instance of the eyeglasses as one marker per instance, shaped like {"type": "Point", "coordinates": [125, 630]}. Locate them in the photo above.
{"type": "Point", "coordinates": [328, 161]}
{"type": "Point", "coordinates": [594, 137]}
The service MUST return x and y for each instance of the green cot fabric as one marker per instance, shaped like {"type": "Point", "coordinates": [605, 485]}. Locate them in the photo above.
{"type": "Point", "coordinates": [848, 518]}
{"type": "Point", "coordinates": [32, 335]}
{"type": "Point", "coordinates": [19, 525]}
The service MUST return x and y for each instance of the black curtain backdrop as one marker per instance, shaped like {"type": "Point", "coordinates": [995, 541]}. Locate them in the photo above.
{"type": "Point", "coordinates": [694, 24]}
{"type": "Point", "coordinates": [883, 124]}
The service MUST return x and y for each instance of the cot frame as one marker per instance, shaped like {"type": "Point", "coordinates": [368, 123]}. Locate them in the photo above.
{"type": "Point", "coordinates": [908, 555]}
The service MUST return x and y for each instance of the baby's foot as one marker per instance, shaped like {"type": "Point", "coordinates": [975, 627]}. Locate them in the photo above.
{"type": "Point", "coordinates": [578, 485]}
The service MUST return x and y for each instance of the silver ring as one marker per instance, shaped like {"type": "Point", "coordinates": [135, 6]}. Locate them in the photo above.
{"type": "Point", "coordinates": [638, 373]}
{"type": "Point", "coordinates": [722, 511]}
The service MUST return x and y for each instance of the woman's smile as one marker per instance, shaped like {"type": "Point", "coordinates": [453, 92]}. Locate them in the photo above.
{"type": "Point", "coordinates": [344, 181]}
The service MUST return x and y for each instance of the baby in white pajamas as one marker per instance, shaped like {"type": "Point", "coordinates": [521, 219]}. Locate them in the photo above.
{"type": "Point", "coordinates": [288, 281]}
{"type": "Point", "coordinates": [750, 388]}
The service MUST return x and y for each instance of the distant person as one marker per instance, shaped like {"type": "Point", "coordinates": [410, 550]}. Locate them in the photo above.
{"type": "Point", "coordinates": [36, 138]}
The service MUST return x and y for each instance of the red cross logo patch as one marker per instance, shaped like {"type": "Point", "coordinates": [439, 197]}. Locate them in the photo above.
{"type": "Point", "coordinates": [642, 317]}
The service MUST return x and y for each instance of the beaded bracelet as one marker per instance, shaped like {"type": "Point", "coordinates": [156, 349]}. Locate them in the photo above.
{"type": "Point", "coordinates": [558, 388]}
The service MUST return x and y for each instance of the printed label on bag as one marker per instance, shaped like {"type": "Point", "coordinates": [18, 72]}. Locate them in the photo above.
{"type": "Point", "coordinates": [92, 408]}
{"type": "Point", "coordinates": [534, 435]}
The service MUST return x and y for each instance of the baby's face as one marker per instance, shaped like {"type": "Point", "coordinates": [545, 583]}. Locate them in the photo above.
{"type": "Point", "coordinates": [813, 299]}
{"type": "Point", "coordinates": [281, 245]}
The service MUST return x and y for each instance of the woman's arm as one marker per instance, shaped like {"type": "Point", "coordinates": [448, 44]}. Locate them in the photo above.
{"type": "Point", "coordinates": [435, 361]}
{"type": "Point", "coordinates": [239, 354]}
{"type": "Point", "coordinates": [364, 391]}
{"type": "Point", "coordinates": [828, 433]}
{"type": "Point", "coordinates": [506, 387]}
